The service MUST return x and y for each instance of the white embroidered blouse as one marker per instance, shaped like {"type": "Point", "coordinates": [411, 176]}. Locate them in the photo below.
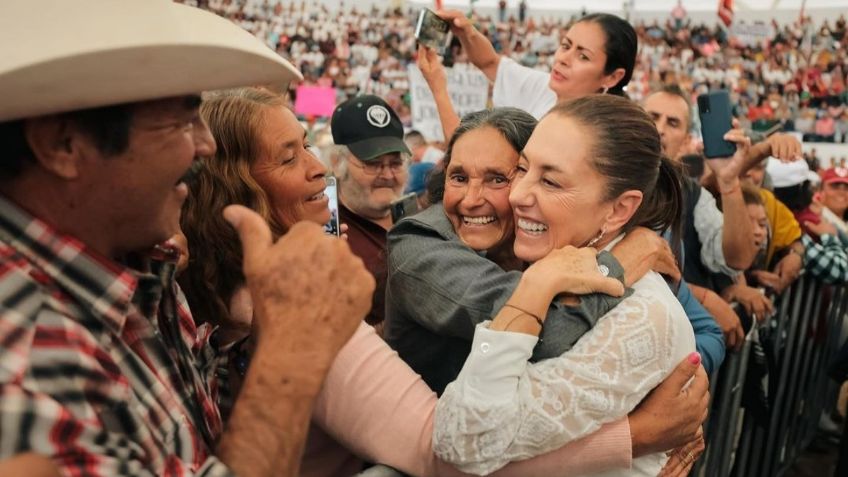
{"type": "Point", "coordinates": [502, 408]}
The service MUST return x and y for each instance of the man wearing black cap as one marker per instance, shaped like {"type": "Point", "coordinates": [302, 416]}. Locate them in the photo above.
{"type": "Point", "coordinates": [372, 173]}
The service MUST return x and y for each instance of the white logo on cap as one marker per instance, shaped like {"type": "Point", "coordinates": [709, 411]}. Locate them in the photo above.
{"type": "Point", "coordinates": [378, 116]}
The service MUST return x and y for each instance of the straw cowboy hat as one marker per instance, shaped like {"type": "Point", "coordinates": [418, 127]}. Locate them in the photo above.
{"type": "Point", "coordinates": [59, 55]}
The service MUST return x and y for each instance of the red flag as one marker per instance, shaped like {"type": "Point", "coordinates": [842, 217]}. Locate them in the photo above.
{"type": "Point", "coordinates": [725, 11]}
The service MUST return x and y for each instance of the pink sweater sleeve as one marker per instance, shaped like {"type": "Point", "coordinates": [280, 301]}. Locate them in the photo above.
{"type": "Point", "coordinates": [381, 410]}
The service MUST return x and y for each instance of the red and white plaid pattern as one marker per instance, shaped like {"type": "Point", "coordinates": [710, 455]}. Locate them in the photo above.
{"type": "Point", "coordinates": [101, 365]}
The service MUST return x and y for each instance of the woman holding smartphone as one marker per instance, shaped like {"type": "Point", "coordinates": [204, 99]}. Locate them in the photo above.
{"type": "Point", "coordinates": [596, 55]}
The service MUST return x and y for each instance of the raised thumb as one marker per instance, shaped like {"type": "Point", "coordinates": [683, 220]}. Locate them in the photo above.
{"type": "Point", "coordinates": [252, 230]}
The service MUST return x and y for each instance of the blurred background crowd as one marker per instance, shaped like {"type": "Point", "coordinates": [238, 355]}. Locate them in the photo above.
{"type": "Point", "coordinates": [783, 76]}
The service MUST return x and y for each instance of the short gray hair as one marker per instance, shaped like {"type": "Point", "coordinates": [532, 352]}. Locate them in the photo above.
{"type": "Point", "coordinates": [515, 125]}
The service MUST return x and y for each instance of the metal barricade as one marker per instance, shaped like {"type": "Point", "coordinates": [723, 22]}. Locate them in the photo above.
{"type": "Point", "coordinates": [727, 404]}
{"type": "Point", "coordinates": [803, 336]}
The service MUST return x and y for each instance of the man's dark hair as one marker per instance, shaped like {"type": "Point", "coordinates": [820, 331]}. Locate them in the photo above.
{"type": "Point", "coordinates": [108, 127]}
{"type": "Point", "coordinates": [675, 90]}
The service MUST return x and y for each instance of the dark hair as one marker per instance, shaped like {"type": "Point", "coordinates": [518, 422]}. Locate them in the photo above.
{"type": "Point", "coordinates": [693, 165]}
{"type": "Point", "coordinates": [627, 152]}
{"type": "Point", "coordinates": [751, 195]}
{"type": "Point", "coordinates": [675, 90]}
{"type": "Point", "coordinates": [108, 127]}
{"type": "Point", "coordinates": [620, 47]}
{"type": "Point", "coordinates": [797, 197]}
{"type": "Point", "coordinates": [515, 125]}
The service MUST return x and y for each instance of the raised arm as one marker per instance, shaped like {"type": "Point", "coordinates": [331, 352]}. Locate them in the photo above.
{"type": "Point", "coordinates": [784, 147]}
{"type": "Point", "coordinates": [738, 247]}
{"type": "Point", "coordinates": [478, 48]}
{"type": "Point", "coordinates": [434, 73]}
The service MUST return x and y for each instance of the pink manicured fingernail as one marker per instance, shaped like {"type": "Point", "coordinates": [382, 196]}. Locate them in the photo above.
{"type": "Point", "coordinates": [695, 358]}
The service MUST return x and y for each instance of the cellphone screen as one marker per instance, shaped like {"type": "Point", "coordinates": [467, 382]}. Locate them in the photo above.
{"type": "Point", "coordinates": [332, 227]}
{"type": "Point", "coordinates": [432, 31]}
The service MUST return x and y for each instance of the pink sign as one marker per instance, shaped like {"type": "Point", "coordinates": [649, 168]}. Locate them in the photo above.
{"type": "Point", "coordinates": [315, 101]}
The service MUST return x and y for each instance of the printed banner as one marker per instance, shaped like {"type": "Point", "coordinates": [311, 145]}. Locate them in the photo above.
{"type": "Point", "coordinates": [469, 91]}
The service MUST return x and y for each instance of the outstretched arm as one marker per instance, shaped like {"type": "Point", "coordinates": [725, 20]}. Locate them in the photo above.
{"type": "Point", "coordinates": [780, 146]}
{"type": "Point", "coordinates": [434, 73]}
{"type": "Point", "coordinates": [377, 407]}
{"type": "Point", "coordinates": [479, 49]}
{"type": "Point", "coordinates": [737, 246]}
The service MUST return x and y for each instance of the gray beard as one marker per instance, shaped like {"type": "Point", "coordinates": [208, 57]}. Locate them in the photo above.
{"type": "Point", "coordinates": [356, 199]}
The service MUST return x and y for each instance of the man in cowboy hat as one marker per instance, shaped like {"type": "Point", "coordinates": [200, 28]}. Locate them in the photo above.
{"type": "Point", "coordinates": [371, 166]}
{"type": "Point", "coordinates": [101, 365]}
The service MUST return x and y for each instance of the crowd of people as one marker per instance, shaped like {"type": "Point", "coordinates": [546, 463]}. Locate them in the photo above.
{"type": "Point", "coordinates": [790, 77]}
{"type": "Point", "coordinates": [171, 303]}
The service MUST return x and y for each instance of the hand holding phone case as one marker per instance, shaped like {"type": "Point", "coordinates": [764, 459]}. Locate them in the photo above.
{"type": "Point", "coordinates": [432, 31]}
{"type": "Point", "coordinates": [716, 121]}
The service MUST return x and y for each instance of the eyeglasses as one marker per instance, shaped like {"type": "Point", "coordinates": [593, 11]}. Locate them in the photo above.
{"type": "Point", "coordinates": [374, 168]}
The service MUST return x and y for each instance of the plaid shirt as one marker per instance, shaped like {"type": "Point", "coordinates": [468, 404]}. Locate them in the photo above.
{"type": "Point", "coordinates": [101, 365]}
{"type": "Point", "coordinates": [826, 259]}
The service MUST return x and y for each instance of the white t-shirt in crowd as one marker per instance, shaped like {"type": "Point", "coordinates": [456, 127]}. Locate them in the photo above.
{"type": "Point", "coordinates": [522, 87]}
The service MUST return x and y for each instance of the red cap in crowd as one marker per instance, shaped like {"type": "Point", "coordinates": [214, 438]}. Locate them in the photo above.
{"type": "Point", "coordinates": [835, 174]}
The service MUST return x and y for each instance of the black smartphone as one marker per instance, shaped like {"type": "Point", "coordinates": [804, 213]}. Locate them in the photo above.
{"type": "Point", "coordinates": [332, 227]}
{"type": "Point", "coordinates": [406, 205]}
{"type": "Point", "coordinates": [716, 119]}
{"type": "Point", "coordinates": [432, 31]}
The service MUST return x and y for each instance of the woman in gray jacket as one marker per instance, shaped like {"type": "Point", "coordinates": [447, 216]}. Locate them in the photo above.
{"type": "Point", "coordinates": [452, 265]}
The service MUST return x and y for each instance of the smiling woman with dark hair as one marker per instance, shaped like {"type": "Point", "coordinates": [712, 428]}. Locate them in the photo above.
{"type": "Point", "coordinates": [592, 171]}
{"type": "Point", "coordinates": [452, 266]}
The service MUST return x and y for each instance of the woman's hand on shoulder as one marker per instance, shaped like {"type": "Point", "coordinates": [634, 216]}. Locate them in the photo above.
{"type": "Point", "coordinates": [575, 271]}
{"type": "Point", "coordinates": [643, 250]}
